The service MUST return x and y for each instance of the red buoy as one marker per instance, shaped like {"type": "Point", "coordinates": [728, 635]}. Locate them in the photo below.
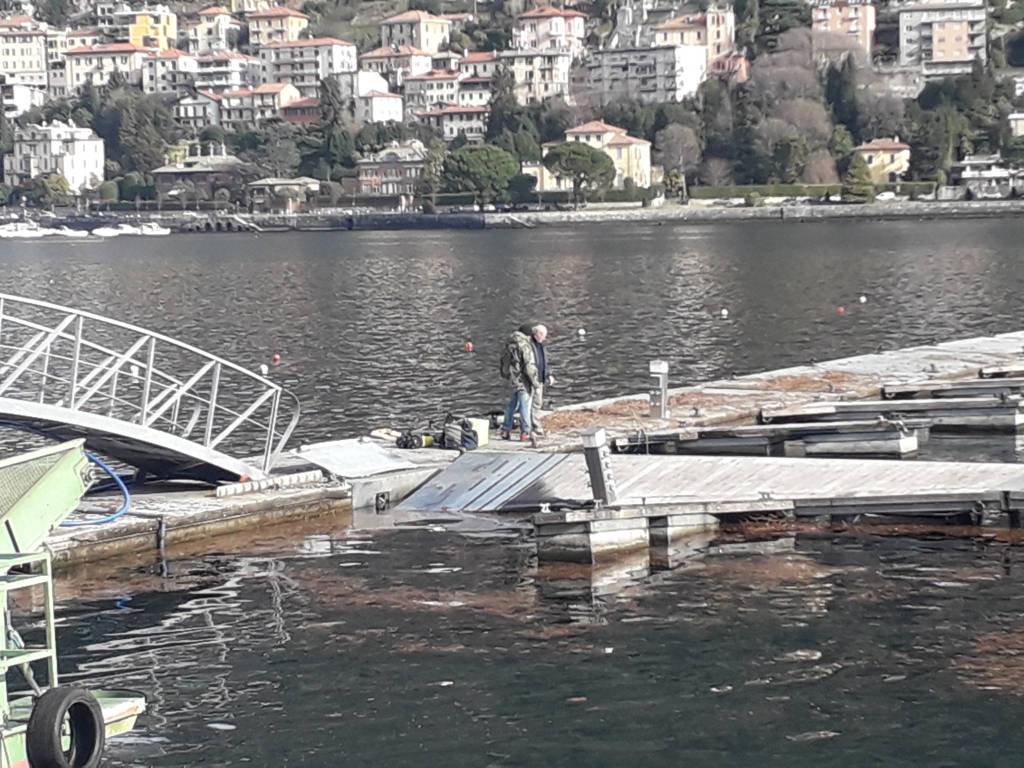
{"type": "Point", "coordinates": [468, 346]}
{"type": "Point", "coordinates": [275, 358]}
{"type": "Point", "coordinates": [841, 310]}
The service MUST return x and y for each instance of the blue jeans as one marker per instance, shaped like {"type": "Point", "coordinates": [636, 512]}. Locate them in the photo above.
{"type": "Point", "coordinates": [520, 401]}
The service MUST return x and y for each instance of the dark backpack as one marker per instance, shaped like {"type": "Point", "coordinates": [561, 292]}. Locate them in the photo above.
{"type": "Point", "coordinates": [459, 434]}
{"type": "Point", "coordinates": [508, 353]}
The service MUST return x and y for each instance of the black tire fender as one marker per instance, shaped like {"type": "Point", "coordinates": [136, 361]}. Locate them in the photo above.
{"type": "Point", "coordinates": [84, 716]}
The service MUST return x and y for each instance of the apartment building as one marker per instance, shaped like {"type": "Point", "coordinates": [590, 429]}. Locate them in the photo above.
{"type": "Point", "coordinates": [221, 71]}
{"type": "Point", "coordinates": [304, 63]}
{"type": "Point", "coordinates": [538, 75]}
{"type": "Point", "coordinates": [19, 97]}
{"type": "Point", "coordinates": [656, 75]}
{"type": "Point", "coordinates": [97, 63]}
{"type": "Point", "coordinates": [215, 29]}
{"type": "Point", "coordinates": [713, 28]}
{"type": "Point", "coordinates": [454, 121]}
{"type": "Point", "coordinates": [196, 111]}
{"type": "Point", "coordinates": [245, 108]}
{"type": "Point", "coordinates": [395, 63]}
{"type": "Point", "coordinates": [169, 71]}
{"type": "Point", "coordinates": [943, 37]}
{"type": "Point", "coordinates": [479, 64]}
{"type": "Point", "coordinates": [417, 29]}
{"type": "Point", "coordinates": [379, 107]}
{"type": "Point", "coordinates": [275, 25]}
{"type": "Point", "coordinates": [42, 150]}
{"type": "Point", "coordinates": [148, 27]}
{"type": "Point", "coordinates": [854, 19]}
{"type": "Point", "coordinates": [546, 27]}
{"type": "Point", "coordinates": [441, 86]}
{"type": "Point", "coordinates": [23, 55]}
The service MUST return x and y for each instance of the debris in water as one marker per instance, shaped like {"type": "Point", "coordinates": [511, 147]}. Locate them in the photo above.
{"type": "Point", "coordinates": [801, 655]}
{"type": "Point", "coordinates": [721, 688]}
{"type": "Point", "coordinates": [221, 726]}
{"type": "Point", "coordinates": [576, 700]}
{"type": "Point", "coordinates": [863, 299]}
{"type": "Point", "coordinates": [724, 313]}
{"type": "Point", "coordinates": [609, 650]}
{"type": "Point", "coordinates": [813, 736]}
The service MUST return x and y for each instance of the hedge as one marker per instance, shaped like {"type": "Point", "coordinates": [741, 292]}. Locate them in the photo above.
{"type": "Point", "coordinates": [804, 190]}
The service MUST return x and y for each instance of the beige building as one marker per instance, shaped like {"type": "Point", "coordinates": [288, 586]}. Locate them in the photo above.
{"type": "Point", "coordinates": [379, 107]}
{"type": "Point", "coordinates": [418, 29]}
{"type": "Point", "coordinates": [169, 71]}
{"type": "Point", "coordinates": [630, 156]}
{"type": "Point", "coordinates": [888, 159]}
{"type": "Point", "coordinates": [546, 27]}
{"type": "Point", "coordinates": [243, 109]}
{"type": "Point", "coordinates": [275, 25]}
{"type": "Point", "coordinates": [148, 27]}
{"type": "Point", "coordinates": [220, 71]}
{"type": "Point", "coordinates": [943, 37]}
{"type": "Point", "coordinates": [714, 29]}
{"type": "Point", "coordinates": [479, 64]}
{"type": "Point", "coordinates": [42, 150]}
{"type": "Point", "coordinates": [854, 19]}
{"type": "Point", "coordinates": [243, 7]}
{"type": "Point", "coordinates": [196, 112]}
{"type": "Point", "coordinates": [538, 75]}
{"type": "Point", "coordinates": [658, 74]}
{"type": "Point", "coordinates": [440, 86]}
{"type": "Point", "coordinates": [96, 64]}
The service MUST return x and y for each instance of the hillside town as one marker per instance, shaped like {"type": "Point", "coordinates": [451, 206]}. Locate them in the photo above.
{"type": "Point", "coordinates": [501, 102]}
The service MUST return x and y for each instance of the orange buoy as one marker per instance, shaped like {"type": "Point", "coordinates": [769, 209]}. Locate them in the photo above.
{"type": "Point", "coordinates": [841, 310]}
{"type": "Point", "coordinates": [468, 346]}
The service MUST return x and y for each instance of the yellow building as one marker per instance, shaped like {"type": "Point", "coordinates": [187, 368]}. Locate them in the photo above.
{"type": "Point", "coordinates": [630, 156]}
{"type": "Point", "coordinates": [887, 159]}
{"type": "Point", "coordinates": [150, 27]}
{"type": "Point", "coordinates": [276, 25]}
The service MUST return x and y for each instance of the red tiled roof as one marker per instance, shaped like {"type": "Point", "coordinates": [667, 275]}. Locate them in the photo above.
{"type": "Point", "coordinates": [382, 95]}
{"type": "Point", "coordinates": [623, 139]}
{"type": "Point", "coordinates": [224, 56]}
{"type": "Point", "coordinates": [16, 21]}
{"type": "Point", "coordinates": [312, 42]}
{"type": "Point", "coordinates": [215, 10]}
{"type": "Point", "coordinates": [452, 109]}
{"type": "Point", "coordinates": [479, 57]}
{"type": "Point", "coordinates": [276, 12]}
{"type": "Point", "coordinates": [410, 16]}
{"type": "Point", "coordinates": [882, 145]}
{"type": "Point", "coordinates": [167, 53]}
{"type": "Point", "coordinates": [387, 53]}
{"type": "Point", "coordinates": [683, 22]}
{"type": "Point", "coordinates": [108, 48]}
{"type": "Point", "coordinates": [597, 126]}
{"type": "Point", "coordinates": [478, 81]}
{"type": "Point", "coordinates": [547, 12]}
{"type": "Point", "coordinates": [312, 101]}
{"type": "Point", "coordinates": [435, 74]}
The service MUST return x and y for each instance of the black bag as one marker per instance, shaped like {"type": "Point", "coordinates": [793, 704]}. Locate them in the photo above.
{"type": "Point", "coordinates": [459, 434]}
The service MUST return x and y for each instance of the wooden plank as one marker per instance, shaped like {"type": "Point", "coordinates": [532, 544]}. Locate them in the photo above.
{"type": "Point", "coordinates": [961, 388]}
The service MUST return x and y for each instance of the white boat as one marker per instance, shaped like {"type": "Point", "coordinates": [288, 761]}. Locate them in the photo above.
{"type": "Point", "coordinates": [21, 230]}
{"type": "Point", "coordinates": [152, 229]}
{"type": "Point", "coordinates": [148, 228]}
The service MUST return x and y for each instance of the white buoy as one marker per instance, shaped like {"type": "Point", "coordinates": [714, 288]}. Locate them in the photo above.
{"type": "Point", "coordinates": [863, 299]}
{"type": "Point", "coordinates": [264, 369]}
{"type": "Point", "coordinates": [135, 371]}
{"type": "Point", "coordinates": [724, 313]}
{"type": "Point", "coordinates": [581, 332]}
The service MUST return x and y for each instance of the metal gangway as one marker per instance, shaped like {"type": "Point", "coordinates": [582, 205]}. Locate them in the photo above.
{"type": "Point", "coordinates": [167, 408]}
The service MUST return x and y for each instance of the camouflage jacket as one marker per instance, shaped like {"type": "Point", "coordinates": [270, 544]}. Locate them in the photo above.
{"type": "Point", "coordinates": [523, 363]}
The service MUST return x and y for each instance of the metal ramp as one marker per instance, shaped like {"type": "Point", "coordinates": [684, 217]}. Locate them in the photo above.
{"type": "Point", "coordinates": [142, 398]}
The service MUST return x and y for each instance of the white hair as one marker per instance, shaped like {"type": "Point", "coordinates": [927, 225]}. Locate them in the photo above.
{"type": "Point", "coordinates": [539, 329]}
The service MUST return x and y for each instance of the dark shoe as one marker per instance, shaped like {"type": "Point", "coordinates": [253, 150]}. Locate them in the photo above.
{"type": "Point", "coordinates": [505, 434]}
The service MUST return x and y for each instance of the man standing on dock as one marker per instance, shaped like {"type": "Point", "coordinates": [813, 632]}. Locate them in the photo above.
{"type": "Point", "coordinates": [519, 365]}
{"type": "Point", "coordinates": [537, 334]}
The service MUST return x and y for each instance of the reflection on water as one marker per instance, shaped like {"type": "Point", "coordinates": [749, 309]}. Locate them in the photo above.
{"type": "Point", "coordinates": [382, 647]}
{"type": "Point", "coordinates": [371, 325]}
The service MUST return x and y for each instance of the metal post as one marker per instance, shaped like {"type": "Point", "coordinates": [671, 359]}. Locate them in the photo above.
{"type": "Point", "coordinates": [113, 392]}
{"type": "Point", "coordinates": [598, 458]}
{"type": "Point", "coordinates": [51, 624]}
{"type": "Point", "coordinates": [268, 452]}
{"type": "Point", "coordinates": [148, 381]}
{"type": "Point", "coordinates": [75, 357]}
{"type": "Point", "coordinates": [659, 393]}
{"type": "Point", "coordinates": [214, 386]}
{"type": "Point", "coordinates": [46, 374]}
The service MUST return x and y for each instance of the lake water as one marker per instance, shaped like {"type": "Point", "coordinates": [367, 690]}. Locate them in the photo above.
{"type": "Point", "coordinates": [371, 325]}
{"type": "Point", "coordinates": [328, 645]}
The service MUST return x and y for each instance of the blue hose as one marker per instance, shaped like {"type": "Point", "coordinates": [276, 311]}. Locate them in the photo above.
{"type": "Point", "coordinates": [125, 495]}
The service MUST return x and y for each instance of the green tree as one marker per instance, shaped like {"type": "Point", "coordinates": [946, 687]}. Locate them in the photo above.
{"type": "Point", "coordinates": [841, 94]}
{"type": "Point", "coordinates": [329, 148]}
{"type": "Point", "coordinates": [47, 191]}
{"type": "Point", "coordinates": [108, 192]}
{"type": "Point", "coordinates": [521, 187]}
{"type": "Point", "coordinates": [858, 186]}
{"type": "Point", "coordinates": [482, 170]}
{"type": "Point", "coordinates": [588, 168]}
